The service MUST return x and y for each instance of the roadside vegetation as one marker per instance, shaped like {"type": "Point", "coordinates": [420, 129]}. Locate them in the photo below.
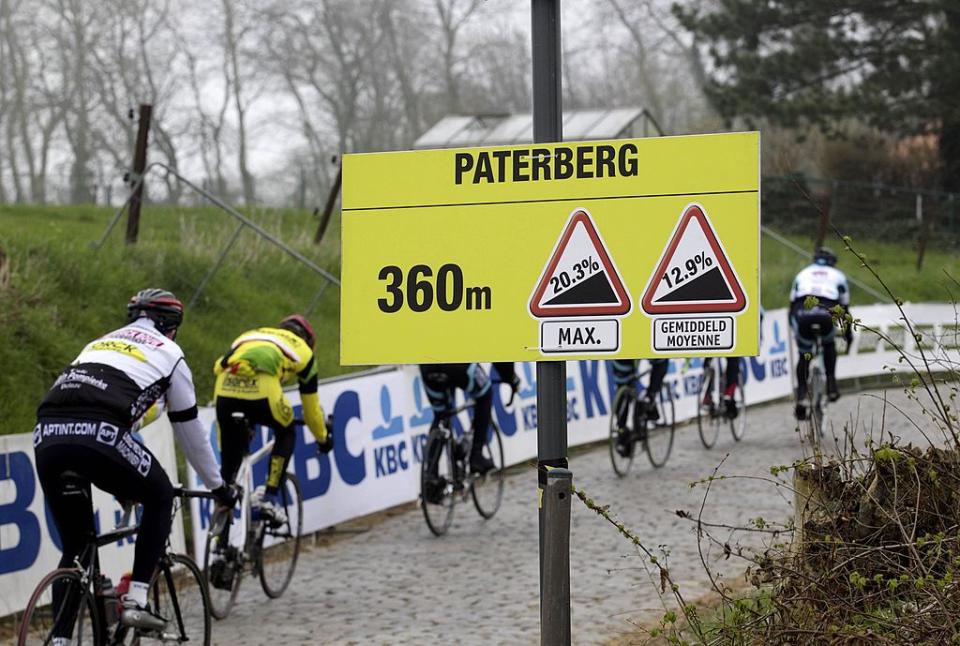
{"type": "Point", "coordinates": [60, 292]}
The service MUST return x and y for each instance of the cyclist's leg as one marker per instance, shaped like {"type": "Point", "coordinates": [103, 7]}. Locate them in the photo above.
{"type": "Point", "coordinates": [234, 437]}
{"type": "Point", "coordinates": [476, 385]}
{"type": "Point", "coordinates": [804, 347]}
{"type": "Point", "coordinates": [73, 515]}
{"type": "Point", "coordinates": [624, 372]}
{"type": "Point", "coordinates": [122, 466]}
{"type": "Point", "coordinates": [707, 387]}
{"type": "Point", "coordinates": [730, 387]}
{"type": "Point", "coordinates": [436, 384]}
{"type": "Point", "coordinates": [658, 370]}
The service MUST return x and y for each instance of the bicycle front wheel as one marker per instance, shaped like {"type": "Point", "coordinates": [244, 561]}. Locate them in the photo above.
{"type": "Point", "coordinates": [437, 495]}
{"type": "Point", "coordinates": [223, 563]}
{"type": "Point", "coordinates": [73, 617]}
{"type": "Point", "coordinates": [621, 441]}
{"type": "Point", "coordinates": [659, 432]}
{"type": "Point", "coordinates": [279, 547]}
{"type": "Point", "coordinates": [487, 490]}
{"type": "Point", "coordinates": [179, 595]}
{"type": "Point", "coordinates": [708, 419]}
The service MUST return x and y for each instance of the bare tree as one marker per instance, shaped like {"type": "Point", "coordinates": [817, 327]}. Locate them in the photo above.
{"type": "Point", "coordinates": [453, 15]}
{"type": "Point", "coordinates": [233, 35]}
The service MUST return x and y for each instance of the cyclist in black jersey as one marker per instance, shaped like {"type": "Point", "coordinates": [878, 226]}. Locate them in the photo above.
{"type": "Point", "coordinates": [84, 431]}
{"type": "Point", "coordinates": [440, 381]}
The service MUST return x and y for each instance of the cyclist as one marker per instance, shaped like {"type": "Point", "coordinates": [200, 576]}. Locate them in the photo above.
{"type": "Point", "coordinates": [440, 381]}
{"type": "Point", "coordinates": [84, 429]}
{"type": "Point", "coordinates": [828, 285]}
{"type": "Point", "coordinates": [250, 379]}
{"type": "Point", "coordinates": [625, 372]}
{"type": "Point", "coordinates": [730, 382]}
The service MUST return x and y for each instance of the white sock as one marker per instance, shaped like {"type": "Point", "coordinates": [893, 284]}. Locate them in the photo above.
{"type": "Point", "coordinates": [138, 592]}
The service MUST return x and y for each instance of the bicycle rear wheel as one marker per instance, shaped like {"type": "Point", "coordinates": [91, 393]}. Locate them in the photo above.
{"type": "Point", "coordinates": [738, 425]}
{"type": "Point", "coordinates": [818, 406]}
{"type": "Point", "coordinates": [76, 617]}
{"type": "Point", "coordinates": [179, 595]}
{"type": "Point", "coordinates": [223, 563]}
{"type": "Point", "coordinates": [437, 495]}
{"type": "Point", "coordinates": [279, 547]}
{"type": "Point", "coordinates": [659, 433]}
{"type": "Point", "coordinates": [487, 490]}
{"type": "Point", "coordinates": [621, 441]}
{"type": "Point", "coordinates": [708, 421]}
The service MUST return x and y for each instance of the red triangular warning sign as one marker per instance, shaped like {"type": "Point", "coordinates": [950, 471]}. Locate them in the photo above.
{"type": "Point", "coordinates": [580, 278]}
{"type": "Point", "coordinates": [693, 275]}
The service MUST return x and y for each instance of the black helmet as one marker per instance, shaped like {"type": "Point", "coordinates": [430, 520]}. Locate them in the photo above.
{"type": "Point", "coordinates": [299, 325]}
{"type": "Point", "coordinates": [825, 256]}
{"type": "Point", "coordinates": [158, 305]}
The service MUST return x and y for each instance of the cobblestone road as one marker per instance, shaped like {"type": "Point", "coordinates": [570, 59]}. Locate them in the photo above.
{"type": "Point", "coordinates": [396, 584]}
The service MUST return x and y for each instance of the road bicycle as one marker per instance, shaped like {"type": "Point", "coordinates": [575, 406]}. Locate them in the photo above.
{"type": "Point", "coordinates": [453, 479]}
{"type": "Point", "coordinates": [711, 410]}
{"type": "Point", "coordinates": [89, 610]}
{"type": "Point", "coordinates": [239, 542]}
{"type": "Point", "coordinates": [631, 424]}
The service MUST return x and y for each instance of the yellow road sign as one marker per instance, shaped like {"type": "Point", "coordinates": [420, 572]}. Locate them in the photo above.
{"type": "Point", "coordinates": [623, 248]}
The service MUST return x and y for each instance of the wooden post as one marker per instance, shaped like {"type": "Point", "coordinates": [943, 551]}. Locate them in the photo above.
{"type": "Point", "coordinates": [328, 207]}
{"type": "Point", "coordinates": [139, 165]}
{"type": "Point", "coordinates": [926, 223]}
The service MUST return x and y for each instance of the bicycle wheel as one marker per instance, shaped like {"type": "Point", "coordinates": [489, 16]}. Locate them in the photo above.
{"type": "Point", "coordinates": [818, 406]}
{"type": "Point", "coordinates": [75, 618]}
{"type": "Point", "coordinates": [279, 547]}
{"type": "Point", "coordinates": [708, 420]}
{"type": "Point", "coordinates": [738, 425]}
{"type": "Point", "coordinates": [438, 510]}
{"type": "Point", "coordinates": [659, 434]}
{"type": "Point", "coordinates": [223, 564]}
{"type": "Point", "coordinates": [179, 595]}
{"type": "Point", "coordinates": [487, 490]}
{"type": "Point", "coordinates": [621, 440]}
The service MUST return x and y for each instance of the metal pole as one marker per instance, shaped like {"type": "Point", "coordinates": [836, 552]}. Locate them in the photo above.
{"type": "Point", "coordinates": [216, 265]}
{"type": "Point", "coordinates": [139, 166]}
{"type": "Point", "coordinates": [552, 471]}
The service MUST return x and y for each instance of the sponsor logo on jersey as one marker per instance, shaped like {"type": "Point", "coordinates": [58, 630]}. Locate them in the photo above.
{"type": "Point", "coordinates": [107, 434]}
{"type": "Point", "coordinates": [137, 336]}
{"type": "Point", "coordinates": [37, 435]}
{"type": "Point", "coordinates": [61, 429]}
{"type": "Point", "coordinates": [237, 383]}
{"type": "Point", "coordinates": [77, 377]}
{"type": "Point", "coordinates": [122, 347]}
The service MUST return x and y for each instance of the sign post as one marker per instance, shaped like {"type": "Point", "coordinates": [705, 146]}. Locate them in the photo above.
{"type": "Point", "coordinates": [554, 480]}
{"type": "Point", "coordinates": [550, 252]}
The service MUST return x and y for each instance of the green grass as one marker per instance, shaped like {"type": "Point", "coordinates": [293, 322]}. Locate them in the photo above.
{"type": "Point", "coordinates": [894, 262]}
{"type": "Point", "coordinates": [62, 293]}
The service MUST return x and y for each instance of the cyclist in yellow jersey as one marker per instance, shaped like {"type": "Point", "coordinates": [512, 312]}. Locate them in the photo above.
{"type": "Point", "coordinates": [250, 379]}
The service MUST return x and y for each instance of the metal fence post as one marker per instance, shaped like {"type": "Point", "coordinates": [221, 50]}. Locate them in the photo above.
{"type": "Point", "coordinates": [139, 167]}
{"type": "Point", "coordinates": [551, 375]}
{"type": "Point", "coordinates": [555, 561]}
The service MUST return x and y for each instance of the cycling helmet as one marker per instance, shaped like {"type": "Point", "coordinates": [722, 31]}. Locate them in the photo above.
{"type": "Point", "coordinates": [825, 256]}
{"type": "Point", "coordinates": [299, 325]}
{"type": "Point", "coordinates": [158, 305]}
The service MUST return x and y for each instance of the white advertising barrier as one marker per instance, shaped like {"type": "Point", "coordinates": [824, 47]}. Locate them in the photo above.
{"type": "Point", "coordinates": [29, 542]}
{"type": "Point", "coordinates": [382, 418]}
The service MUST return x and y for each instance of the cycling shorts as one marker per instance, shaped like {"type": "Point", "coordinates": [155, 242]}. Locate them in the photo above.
{"type": "Point", "coordinates": [808, 324]}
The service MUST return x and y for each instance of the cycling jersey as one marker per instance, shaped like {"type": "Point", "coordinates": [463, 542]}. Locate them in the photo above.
{"type": "Point", "coordinates": [257, 366]}
{"type": "Point", "coordinates": [118, 378]}
{"type": "Point", "coordinates": [827, 283]}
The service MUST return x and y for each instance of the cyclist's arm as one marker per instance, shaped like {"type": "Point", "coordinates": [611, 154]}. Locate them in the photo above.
{"type": "Point", "coordinates": [310, 400]}
{"type": "Point", "coordinates": [187, 429]}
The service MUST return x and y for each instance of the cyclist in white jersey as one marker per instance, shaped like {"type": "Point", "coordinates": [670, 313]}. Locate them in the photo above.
{"type": "Point", "coordinates": [828, 285]}
{"type": "Point", "coordinates": [85, 429]}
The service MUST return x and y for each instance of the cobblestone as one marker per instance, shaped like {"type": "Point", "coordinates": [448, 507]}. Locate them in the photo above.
{"type": "Point", "coordinates": [397, 584]}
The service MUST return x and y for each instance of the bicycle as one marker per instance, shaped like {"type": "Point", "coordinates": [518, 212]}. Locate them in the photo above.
{"type": "Point", "coordinates": [630, 424]}
{"type": "Point", "coordinates": [453, 479]}
{"type": "Point", "coordinates": [269, 550]}
{"type": "Point", "coordinates": [89, 612]}
{"type": "Point", "coordinates": [711, 414]}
